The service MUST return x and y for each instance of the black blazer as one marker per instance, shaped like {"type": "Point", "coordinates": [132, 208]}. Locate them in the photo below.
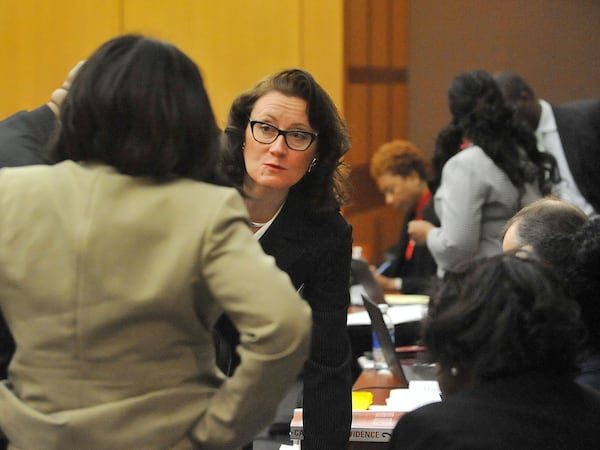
{"type": "Point", "coordinates": [531, 411]}
{"type": "Point", "coordinates": [578, 125]}
{"type": "Point", "coordinates": [315, 250]}
{"type": "Point", "coordinates": [24, 137]}
{"type": "Point", "coordinates": [417, 272]}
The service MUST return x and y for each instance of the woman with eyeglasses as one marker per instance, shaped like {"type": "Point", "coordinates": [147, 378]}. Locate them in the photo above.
{"type": "Point", "coordinates": [283, 143]}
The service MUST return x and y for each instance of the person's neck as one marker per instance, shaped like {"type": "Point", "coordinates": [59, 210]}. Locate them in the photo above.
{"type": "Point", "coordinates": [421, 191]}
{"type": "Point", "coordinates": [262, 203]}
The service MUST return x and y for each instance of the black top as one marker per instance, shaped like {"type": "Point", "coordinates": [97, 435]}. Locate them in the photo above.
{"type": "Point", "coordinates": [24, 137]}
{"type": "Point", "coordinates": [315, 250]}
{"type": "Point", "coordinates": [417, 272]}
{"type": "Point", "coordinates": [531, 411]}
{"type": "Point", "coordinates": [578, 125]}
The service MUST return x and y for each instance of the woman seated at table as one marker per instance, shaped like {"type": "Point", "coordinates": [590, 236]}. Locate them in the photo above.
{"type": "Point", "coordinates": [504, 338]}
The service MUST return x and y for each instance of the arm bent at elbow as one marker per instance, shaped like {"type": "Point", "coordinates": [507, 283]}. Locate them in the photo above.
{"type": "Point", "coordinates": [274, 325]}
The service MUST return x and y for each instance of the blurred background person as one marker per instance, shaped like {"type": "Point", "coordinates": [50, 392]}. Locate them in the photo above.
{"type": "Point", "coordinates": [548, 217]}
{"type": "Point", "coordinates": [401, 171]}
{"type": "Point", "coordinates": [568, 131]}
{"type": "Point", "coordinates": [504, 337]}
{"type": "Point", "coordinates": [561, 234]}
{"type": "Point", "coordinates": [486, 167]}
{"type": "Point", "coordinates": [284, 140]}
{"type": "Point", "coordinates": [116, 262]}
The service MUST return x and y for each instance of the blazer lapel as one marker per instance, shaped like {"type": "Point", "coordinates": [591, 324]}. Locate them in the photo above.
{"type": "Point", "coordinates": [287, 241]}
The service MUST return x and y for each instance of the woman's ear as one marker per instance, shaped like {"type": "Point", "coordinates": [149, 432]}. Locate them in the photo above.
{"type": "Point", "coordinates": [453, 379]}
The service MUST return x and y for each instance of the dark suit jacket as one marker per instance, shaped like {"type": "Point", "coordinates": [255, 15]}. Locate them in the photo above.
{"type": "Point", "coordinates": [315, 251]}
{"type": "Point", "coordinates": [417, 272]}
{"type": "Point", "coordinates": [532, 411]}
{"type": "Point", "coordinates": [578, 125]}
{"type": "Point", "coordinates": [23, 139]}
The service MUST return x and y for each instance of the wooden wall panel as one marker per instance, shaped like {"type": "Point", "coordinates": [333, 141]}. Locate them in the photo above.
{"type": "Point", "coordinates": [375, 105]}
{"type": "Point", "coordinates": [399, 23]}
{"type": "Point", "coordinates": [380, 32]}
{"type": "Point", "coordinates": [322, 45]}
{"type": "Point", "coordinates": [553, 43]}
{"type": "Point", "coordinates": [399, 110]}
{"type": "Point", "coordinates": [234, 42]}
{"type": "Point", "coordinates": [356, 95]}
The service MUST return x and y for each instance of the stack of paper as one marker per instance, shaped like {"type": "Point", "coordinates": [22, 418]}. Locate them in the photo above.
{"type": "Point", "coordinates": [418, 393]}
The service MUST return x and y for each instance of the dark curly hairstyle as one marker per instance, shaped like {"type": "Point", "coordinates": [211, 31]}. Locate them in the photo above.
{"type": "Point", "coordinates": [503, 315]}
{"type": "Point", "coordinates": [326, 186]}
{"type": "Point", "coordinates": [577, 261]}
{"type": "Point", "coordinates": [480, 114]}
{"type": "Point", "coordinates": [139, 105]}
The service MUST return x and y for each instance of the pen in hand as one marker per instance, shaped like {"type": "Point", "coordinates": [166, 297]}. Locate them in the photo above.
{"type": "Point", "coordinates": [383, 267]}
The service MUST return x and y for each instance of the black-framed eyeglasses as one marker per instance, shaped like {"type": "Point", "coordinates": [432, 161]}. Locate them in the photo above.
{"type": "Point", "coordinates": [265, 133]}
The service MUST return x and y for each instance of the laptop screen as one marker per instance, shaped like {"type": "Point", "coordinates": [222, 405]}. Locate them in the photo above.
{"type": "Point", "coordinates": [363, 276]}
{"type": "Point", "coordinates": [385, 341]}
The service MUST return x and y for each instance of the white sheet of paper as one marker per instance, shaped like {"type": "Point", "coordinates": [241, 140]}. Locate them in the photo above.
{"type": "Point", "coordinates": [398, 313]}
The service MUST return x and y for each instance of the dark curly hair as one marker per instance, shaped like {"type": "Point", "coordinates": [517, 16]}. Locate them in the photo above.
{"type": "Point", "coordinates": [326, 186]}
{"type": "Point", "coordinates": [480, 114]}
{"type": "Point", "coordinates": [503, 315]}
{"type": "Point", "coordinates": [577, 261]}
{"type": "Point", "coordinates": [139, 105]}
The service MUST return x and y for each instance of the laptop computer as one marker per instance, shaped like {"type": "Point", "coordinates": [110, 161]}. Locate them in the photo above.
{"type": "Point", "coordinates": [404, 373]}
{"type": "Point", "coordinates": [362, 275]}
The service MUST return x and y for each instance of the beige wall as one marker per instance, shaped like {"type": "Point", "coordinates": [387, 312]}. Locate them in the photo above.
{"type": "Point", "coordinates": [555, 44]}
{"type": "Point", "coordinates": [40, 40]}
{"type": "Point", "coordinates": [235, 42]}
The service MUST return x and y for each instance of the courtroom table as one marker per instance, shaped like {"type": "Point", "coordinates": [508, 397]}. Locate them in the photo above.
{"type": "Point", "coordinates": [379, 383]}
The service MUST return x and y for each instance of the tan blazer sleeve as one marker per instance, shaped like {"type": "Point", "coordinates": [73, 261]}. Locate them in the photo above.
{"type": "Point", "coordinates": [274, 324]}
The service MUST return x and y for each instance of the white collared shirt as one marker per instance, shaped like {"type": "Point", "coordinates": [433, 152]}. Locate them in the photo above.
{"type": "Point", "coordinates": [549, 141]}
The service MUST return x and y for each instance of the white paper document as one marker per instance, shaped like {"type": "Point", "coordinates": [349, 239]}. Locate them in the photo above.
{"type": "Point", "coordinates": [419, 393]}
{"type": "Point", "coordinates": [398, 313]}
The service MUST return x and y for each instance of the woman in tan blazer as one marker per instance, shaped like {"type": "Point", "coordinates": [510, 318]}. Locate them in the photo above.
{"type": "Point", "coordinates": [116, 262]}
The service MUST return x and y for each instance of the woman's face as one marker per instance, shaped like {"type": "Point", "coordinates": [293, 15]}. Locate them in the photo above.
{"type": "Point", "coordinates": [275, 165]}
{"type": "Point", "coordinates": [401, 191]}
